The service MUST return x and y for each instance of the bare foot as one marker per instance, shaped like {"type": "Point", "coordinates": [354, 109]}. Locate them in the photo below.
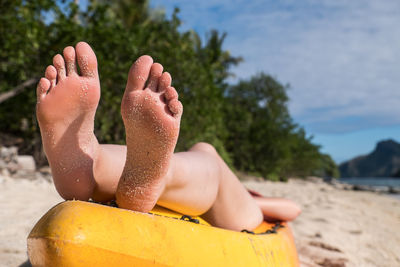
{"type": "Point", "coordinates": [151, 113]}
{"type": "Point", "coordinates": [66, 106]}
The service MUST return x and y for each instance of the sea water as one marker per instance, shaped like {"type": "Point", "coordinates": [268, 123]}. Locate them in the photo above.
{"type": "Point", "coordinates": [373, 181]}
{"type": "Point", "coordinates": [377, 182]}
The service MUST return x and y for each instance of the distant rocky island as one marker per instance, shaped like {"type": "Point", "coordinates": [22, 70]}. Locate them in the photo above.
{"type": "Point", "coordinates": [384, 161]}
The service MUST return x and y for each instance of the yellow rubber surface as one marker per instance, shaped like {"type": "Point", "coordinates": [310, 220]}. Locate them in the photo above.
{"type": "Point", "coordinates": [76, 233]}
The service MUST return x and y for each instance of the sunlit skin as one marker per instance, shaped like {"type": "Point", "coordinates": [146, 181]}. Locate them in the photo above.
{"type": "Point", "coordinates": [146, 171]}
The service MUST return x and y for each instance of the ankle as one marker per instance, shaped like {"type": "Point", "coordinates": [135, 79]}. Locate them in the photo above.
{"type": "Point", "coordinates": [168, 178]}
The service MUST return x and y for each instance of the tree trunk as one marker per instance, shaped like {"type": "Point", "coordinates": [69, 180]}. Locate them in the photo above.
{"type": "Point", "coordinates": [17, 90]}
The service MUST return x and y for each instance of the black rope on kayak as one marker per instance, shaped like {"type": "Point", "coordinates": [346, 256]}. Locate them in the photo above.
{"type": "Point", "coordinates": [111, 203]}
{"type": "Point", "coordinates": [189, 219]}
{"type": "Point", "coordinates": [247, 231]}
{"type": "Point", "coordinates": [114, 204]}
{"type": "Point", "coordinates": [273, 230]}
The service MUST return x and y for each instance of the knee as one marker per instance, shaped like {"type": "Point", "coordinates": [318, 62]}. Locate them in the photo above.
{"type": "Point", "coordinates": [205, 147]}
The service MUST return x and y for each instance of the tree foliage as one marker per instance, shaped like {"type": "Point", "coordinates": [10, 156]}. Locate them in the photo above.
{"type": "Point", "coordinates": [262, 137]}
{"type": "Point", "coordinates": [248, 123]}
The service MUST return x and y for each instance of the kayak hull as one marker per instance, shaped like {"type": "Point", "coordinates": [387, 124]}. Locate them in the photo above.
{"type": "Point", "coordinates": [76, 233]}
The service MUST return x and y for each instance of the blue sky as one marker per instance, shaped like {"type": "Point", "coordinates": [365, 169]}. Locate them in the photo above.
{"type": "Point", "coordinates": [341, 58]}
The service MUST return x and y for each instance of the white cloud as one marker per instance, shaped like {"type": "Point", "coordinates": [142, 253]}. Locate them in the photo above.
{"type": "Point", "coordinates": [341, 57]}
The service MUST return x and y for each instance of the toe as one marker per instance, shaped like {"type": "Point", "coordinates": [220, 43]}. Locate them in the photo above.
{"type": "Point", "coordinates": [42, 88]}
{"type": "Point", "coordinates": [87, 60]}
{"type": "Point", "coordinates": [139, 73]}
{"type": "Point", "coordinates": [170, 93]}
{"type": "Point", "coordinates": [164, 82]}
{"type": "Point", "coordinates": [176, 108]}
{"type": "Point", "coordinates": [69, 56]}
{"type": "Point", "coordinates": [51, 75]}
{"type": "Point", "coordinates": [58, 62]}
{"type": "Point", "coordinates": [174, 105]}
{"type": "Point", "coordinates": [155, 74]}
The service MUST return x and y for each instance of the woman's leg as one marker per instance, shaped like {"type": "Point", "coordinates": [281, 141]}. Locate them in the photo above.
{"type": "Point", "coordinates": [193, 182]}
{"type": "Point", "coordinates": [200, 182]}
{"type": "Point", "coordinates": [182, 169]}
{"type": "Point", "coordinates": [278, 209]}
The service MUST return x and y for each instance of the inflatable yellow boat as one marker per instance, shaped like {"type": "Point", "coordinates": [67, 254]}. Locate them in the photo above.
{"type": "Point", "coordinates": [76, 233]}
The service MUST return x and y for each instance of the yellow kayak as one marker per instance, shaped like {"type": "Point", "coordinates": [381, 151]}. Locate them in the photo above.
{"type": "Point", "coordinates": [76, 233]}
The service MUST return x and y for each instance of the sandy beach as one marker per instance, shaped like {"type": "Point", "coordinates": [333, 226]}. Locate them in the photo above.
{"type": "Point", "coordinates": [336, 228]}
{"type": "Point", "coordinates": [340, 227]}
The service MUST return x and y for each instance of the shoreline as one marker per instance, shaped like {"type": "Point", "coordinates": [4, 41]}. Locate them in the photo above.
{"type": "Point", "coordinates": [337, 227]}
{"type": "Point", "coordinates": [385, 190]}
{"type": "Point", "coordinates": [361, 184]}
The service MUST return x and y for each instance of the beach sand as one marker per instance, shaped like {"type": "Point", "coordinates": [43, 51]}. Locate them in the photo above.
{"type": "Point", "coordinates": [340, 227]}
{"type": "Point", "coordinates": [22, 203]}
{"type": "Point", "coordinates": [336, 227]}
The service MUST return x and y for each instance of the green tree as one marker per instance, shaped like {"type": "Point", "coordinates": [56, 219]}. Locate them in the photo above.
{"type": "Point", "coordinates": [258, 124]}
{"type": "Point", "coordinates": [24, 49]}
{"type": "Point", "coordinates": [263, 138]}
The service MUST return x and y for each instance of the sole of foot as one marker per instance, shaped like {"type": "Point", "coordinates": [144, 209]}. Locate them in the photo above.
{"type": "Point", "coordinates": [67, 100]}
{"type": "Point", "coordinates": [151, 113]}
